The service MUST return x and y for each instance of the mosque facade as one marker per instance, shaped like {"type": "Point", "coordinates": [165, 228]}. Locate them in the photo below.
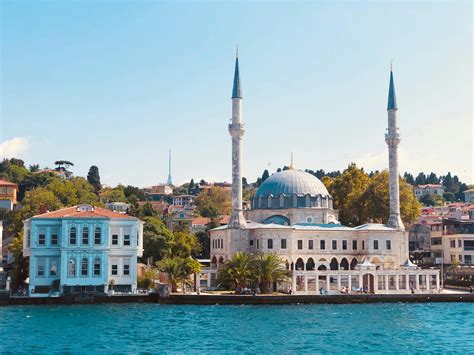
{"type": "Point", "coordinates": [292, 215]}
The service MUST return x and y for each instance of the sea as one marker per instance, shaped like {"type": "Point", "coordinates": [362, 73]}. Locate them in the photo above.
{"type": "Point", "coordinates": [276, 329]}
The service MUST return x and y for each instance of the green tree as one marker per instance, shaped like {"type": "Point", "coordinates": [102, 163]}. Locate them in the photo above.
{"type": "Point", "coordinates": [431, 200]}
{"type": "Point", "coordinates": [185, 244]}
{"type": "Point", "coordinates": [93, 178]}
{"type": "Point", "coordinates": [420, 179]}
{"type": "Point", "coordinates": [191, 186]}
{"type": "Point", "coordinates": [157, 239]}
{"type": "Point", "coordinates": [268, 269]}
{"type": "Point", "coordinates": [237, 272]}
{"type": "Point", "coordinates": [213, 202]}
{"type": "Point", "coordinates": [449, 196]}
{"type": "Point", "coordinates": [34, 168]}
{"type": "Point", "coordinates": [115, 194]}
{"type": "Point", "coordinates": [265, 175]}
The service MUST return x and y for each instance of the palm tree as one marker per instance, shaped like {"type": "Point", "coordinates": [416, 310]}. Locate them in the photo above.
{"type": "Point", "coordinates": [269, 268]}
{"type": "Point", "coordinates": [178, 270]}
{"type": "Point", "coordinates": [236, 273]}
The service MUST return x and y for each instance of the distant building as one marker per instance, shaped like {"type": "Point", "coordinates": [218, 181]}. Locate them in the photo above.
{"type": "Point", "coordinates": [184, 200]}
{"type": "Point", "coordinates": [82, 248]}
{"type": "Point", "coordinates": [60, 173]}
{"type": "Point", "coordinates": [159, 206]}
{"type": "Point", "coordinates": [204, 187]}
{"type": "Point", "coordinates": [202, 224]}
{"type": "Point", "coordinates": [158, 192]}
{"type": "Point", "coordinates": [456, 244]}
{"type": "Point", "coordinates": [429, 189]}
{"type": "Point", "coordinates": [120, 207]}
{"type": "Point", "coordinates": [182, 216]}
{"type": "Point", "coordinates": [469, 196]}
{"type": "Point", "coordinates": [8, 195]}
{"type": "Point", "coordinates": [419, 238]}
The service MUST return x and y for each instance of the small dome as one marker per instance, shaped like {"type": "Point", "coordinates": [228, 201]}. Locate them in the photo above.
{"type": "Point", "coordinates": [292, 182]}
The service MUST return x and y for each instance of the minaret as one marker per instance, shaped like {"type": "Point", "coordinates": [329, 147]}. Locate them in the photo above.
{"type": "Point", "coordinates": [170, 181]}
{"type": "Point", "coordinates": [392, 138]}
{"type": "Point", "coordinates": [236, 130]}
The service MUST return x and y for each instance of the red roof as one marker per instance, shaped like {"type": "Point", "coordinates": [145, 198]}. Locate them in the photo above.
{"type": "Point", "coordinates": [73, 212]}
{"type": "Point", "coordinates": [7, 183]}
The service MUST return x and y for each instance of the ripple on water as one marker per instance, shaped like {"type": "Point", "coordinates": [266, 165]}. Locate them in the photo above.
{"type": "Point", "coordinates": [145, 328]}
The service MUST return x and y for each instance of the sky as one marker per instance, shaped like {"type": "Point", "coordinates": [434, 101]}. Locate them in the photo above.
{"type": "Point", "coordinates": [117, 83]}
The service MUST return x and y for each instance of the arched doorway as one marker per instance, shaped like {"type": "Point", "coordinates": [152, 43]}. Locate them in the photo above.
{"type": "Point", "coordinates": [344, 264]}
{"type": "Point", "coordinates": [221, 261]}
{"type": "Point", "coordinates": [354, 263]}
{"type": "Point", "coordinates": [322, 268]}
{"type": "Point", "coordinates": [287, 264]}
{"type": "Point", "coordinates": [299, 264]}
{"type": "Point", "coordinates": [310, 264]}
{"type": "Point", "coordinates": [334, 265]}
{"type": "Point", "coordinates": [368, 283]}
{"type": "Point", "coordinates": [376, 261]}
{"type": "Point", "coordinates": [214, 262]}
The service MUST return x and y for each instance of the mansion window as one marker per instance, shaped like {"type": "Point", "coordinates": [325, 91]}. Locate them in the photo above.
{"type": "Point", "coordinates": [258, 244]}
{"type": "Point", "coordinates": [72, 236]}
{"type": "Point", "coordinates": [300, 244]}
{"type": "Point", "coordinates": [469, 245]}
{"type": "Point", "coordinates": [126, 269]}
{"type": "Point", "coordinates": [40, 268]}
{"type": "Point", "coordinates": [334, 244]}
{"type": "Point", "coordinates": [97, 236]}
{"type": "Point", "coordinates": [42, 239]}
{"type": "Point", "coordinates": [344, 245]}
{"type": "Point", "coordinates": [459, 243]}
{"type": "Point", "coordinates": [115, 239]}
{"type": "Point", "coordinates": [354, 245]}
{"type": "Point", "coordinates": [97, 267]}
{"type": "Point", "coordinates": [310, 244]}
{"type": "Point", "coordinates": [85, 236]}
{"type": "Point", "coordinates": [467, 259]}
{"type": "Point", "coordinates": [389, 245]}
{"type": "Point", "coordinates": [54, 239]}
{"type": "Point", "coordinates": [126, 239]}
{"type": "Point", "coordinates": [436, 241]}
{"type": "Point", "coordinates": [363, 245]}
{"type": "Point", "coordinates": [53, 268]}
{"type": "Point", "coordinates": [251, 242]}
{"type": "Point", "coordinates": [269, 243]}
{"type": "Point", "coordinates": [376, 245]}
{"type": "Point", "coordinates": [283, 244]}
{"type": "Point", "coordinates": [84, 267]}
{"type": "Point", "coordinates": [114, 269]}
{"type": "Point", "coordinates": [72, 268]}
{"type": "Point", "coordinates": [322, 244]}
{"type": "Point", "coordinates": [452, 243]}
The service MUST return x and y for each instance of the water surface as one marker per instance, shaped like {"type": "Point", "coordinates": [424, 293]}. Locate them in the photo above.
{"type": "Point", "coordinates": [400, 327]}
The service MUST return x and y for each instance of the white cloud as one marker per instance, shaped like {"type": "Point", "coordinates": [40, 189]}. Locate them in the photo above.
{"type": "Point", "coordinates": [13, 148]}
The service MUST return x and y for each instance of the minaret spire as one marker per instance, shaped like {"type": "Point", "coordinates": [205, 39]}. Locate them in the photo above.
{"type": "Point", "coordinates": [170, 181]}
{"type": "Point", "coordinates": [392, 138]}
{"type": "Point", "coordinates": [236, 131]}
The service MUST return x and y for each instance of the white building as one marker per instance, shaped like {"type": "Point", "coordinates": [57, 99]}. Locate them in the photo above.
{"type": "Point", "coordinates": [429, 189]}
{"type": "Point", "coordinates": [469, 196]}
{"type": "Point", "coordinates": [292, 215]}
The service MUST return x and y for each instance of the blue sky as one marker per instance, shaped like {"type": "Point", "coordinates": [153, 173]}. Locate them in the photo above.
{"type": "Point", "coordinates": [114, 84]}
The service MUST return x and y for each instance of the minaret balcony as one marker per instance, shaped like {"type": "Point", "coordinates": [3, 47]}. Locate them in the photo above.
{"type": "Point", "coordinates": [236, 130]}
{"type": "Point", "coordinates": [392, 139]}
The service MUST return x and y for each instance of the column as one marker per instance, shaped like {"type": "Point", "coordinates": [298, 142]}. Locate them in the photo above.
{"type": "Point", "coordinates": [293, 280]}
{"type": "Point", "coordinates": [197, 282]}
{"type": "Point", "coordinates": [328, 282]}
{"type": "Point", "coordinates": [361, 282]}
{"type": "Point", "coordinates": [338, 281]}
{"type": "Point", "coordinates": [349, 286]}
{"type": "Point", "coordinates": [437, 281]}
{"type": "Point", "coordinates": [427, 280]}
{"type": "Point", "coordinates": [417, 282]}
{"type": "Point", "coordinates": [317, 283]}
{"type": "Point", "coordinates": [386, 283]}
{"type": "Point", "coordinates": [376, 283]}
{"type": "Point", "coordinates": [397, 282]}
{"type": "Point", "coordinates": [208, 280]}
{"type": "Point", "coordinates": [407, 278]}
{"type": "Point", "coordinates": [305, 284]}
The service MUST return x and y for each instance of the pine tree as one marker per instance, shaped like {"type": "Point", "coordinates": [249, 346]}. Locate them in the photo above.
{"type": "Point", "coordinates": [93, 178]}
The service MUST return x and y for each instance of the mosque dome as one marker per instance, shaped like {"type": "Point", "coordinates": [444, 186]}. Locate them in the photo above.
{"type": "Point", "coordinates": [291, 189]}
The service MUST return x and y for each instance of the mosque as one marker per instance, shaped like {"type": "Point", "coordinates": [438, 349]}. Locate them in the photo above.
{"type": "Point", "coordinates": [292, 215]}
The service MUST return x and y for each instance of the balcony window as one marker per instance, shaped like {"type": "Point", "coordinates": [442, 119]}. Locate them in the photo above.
{"type": "Point", "coordinates": [126, 239]}
{"type": "Point", "coordinates": [42, 239]}
{"type": "Point", "coordinates": [54, 239]}
{"type": "Point", "coordinates": [300, 244]}
{"type": "Point", "coordinates": [283, 244]}
{"type": "Point", "coordinates": [114, 270]}
{"type": "Point", "coordinates": [85, 267]}
{"type": "Point", "coordinates": [72, 236]}
{"type": "Point", "coordinates": [310, 244]}
{"type": "Point", "coordinates": [97, 267]}
{"type": "Point", "coordinates": [126, 270]}
{"type": "Point", "coordinates": [115, 239]}
{"type": "Point", "coordinates": [97, 236]}
{"type": "Point", "coordinates": [354, 245]}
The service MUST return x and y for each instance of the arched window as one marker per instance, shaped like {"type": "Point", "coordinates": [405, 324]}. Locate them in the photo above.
{"type": "Point", "coordinates": [353, 263]}
{"type": "Point", "coordinates": [72, 267]}
{"type": "Point", "coordinates": [344, 264]}
{"type": "Point", "coordinates": [97, 236]}
{"type": "Point", "coordinates": [85, 236]}
{"type": "Point", "coordinates": [84, 267]}
{"type": "Point", "coordinates": [221, 260]}
{"type": "Point", "coordinates": [72, 236]}
{"type": "Point", "coordinates": [299, 264]}
{"type": "Point", "coordinates": [97, 267]}
{"type": "Point", "coordinates": [214, 262]}
{"type": "Point", "coordinates": [322, 267]}
{"type": "Point", "coordinates": [334, 264]}
{"type": "Point", "coordinates": [310, 264]}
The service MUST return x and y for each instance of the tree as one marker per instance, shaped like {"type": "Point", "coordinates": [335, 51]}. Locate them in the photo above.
{"type": "Point", "coordinates": [157, 239]}
{"type": "Point", "coordinates": [184, 244]}
{"type": "Point", "coordinates": [245, 184]}
{"type": "Point", "coordinates": [93, 178]}
{"type": "Point", "coordinates": [432, 179]}
{"type": "Point", "coordinates": [147, 210]}
{"type": "Point", "coordinates": [20, 265]}
{"type": "Point", "coordinates": [449, 196]}
{"type": "Point", "coordinates": [267, 269]}
{"type": "Point", "coordinates": [237, 272]}
{"type": "Point", "coordinates": [178, 270]}
{"type": "Point", "coordinates": [213, 202]}
{"type": "Point", "coordinates": [115, 194]}
{"type": "Point", "coordinates": [431, 200]}
{"type": "Point", "coordinates": [64, 165]}
{"type": "Point", "coordinates": [265, 175]}
{"type": "Point", "coordinates": [191, 186]}
{"type": "Point", "coordinates": [409, 178]}
{"type": "Point", "coordinates": [205, 242]}
{"type": "Point", "coordinates": [420, 179]}
{"type": "Point", "coordinates": [34, 168]}
{"type": "Point", "coordinates": [132, 192]}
